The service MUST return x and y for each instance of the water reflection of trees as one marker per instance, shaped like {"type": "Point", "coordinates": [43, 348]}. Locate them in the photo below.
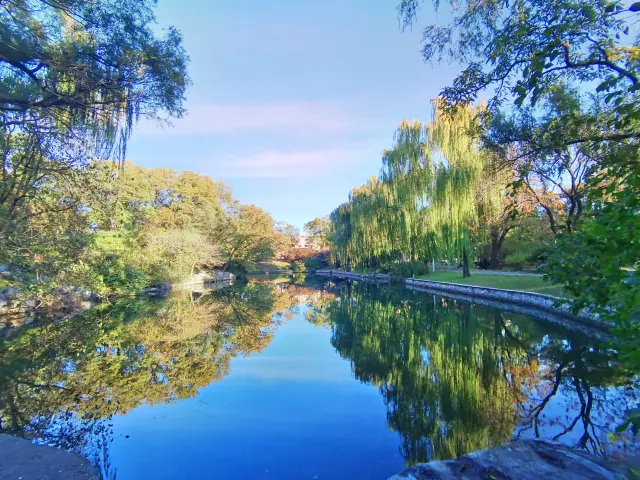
{"type": "Point", "coordinates": [454, 377]}
{"type": "Point", "coordinates": [62, 382]}
{"type": "Point", "coordinates": [457, 377]}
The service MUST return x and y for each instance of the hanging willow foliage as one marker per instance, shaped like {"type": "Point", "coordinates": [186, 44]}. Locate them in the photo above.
{"type": "Point", "coordinates": [425, 205]}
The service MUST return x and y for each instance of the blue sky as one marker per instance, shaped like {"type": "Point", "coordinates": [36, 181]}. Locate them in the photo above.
{"type": "Point", "coordinates": [292, 102]}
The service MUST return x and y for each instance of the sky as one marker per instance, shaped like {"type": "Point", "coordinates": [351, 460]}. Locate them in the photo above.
{"type": "Point", "coordinates": [292, 102]}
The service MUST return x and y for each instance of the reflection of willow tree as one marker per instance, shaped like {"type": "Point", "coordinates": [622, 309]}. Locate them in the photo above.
{"type": "Point", "coordinates": [455, 377]}
{"type": "Point", "coordinates": [59, 381]}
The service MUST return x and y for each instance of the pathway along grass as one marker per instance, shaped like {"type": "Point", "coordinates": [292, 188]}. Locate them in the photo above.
{"type": "Point", "coordinates": [524, 283]}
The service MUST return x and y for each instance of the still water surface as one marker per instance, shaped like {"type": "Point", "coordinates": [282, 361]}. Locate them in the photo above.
{"type": "Point", "coordinates": [301, 381]}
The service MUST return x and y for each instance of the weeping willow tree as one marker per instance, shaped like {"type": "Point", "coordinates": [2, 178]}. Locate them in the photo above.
{"type": "Point", "coordinates": [362, 231]}
{"type": "Point", "coordinates": [439, 169]}
{"type": "Point", "coordinates": [435, 183]}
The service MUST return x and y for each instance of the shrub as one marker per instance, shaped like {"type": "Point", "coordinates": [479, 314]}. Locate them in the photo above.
{"type": "Point", "coordinates": [408, 269]}
{"type": "Point", "coordinates": [518, 258]}
{"type": "Point", "coordinates": [299, 267]}
{"type": "Point", "coordinates": [315, 263]}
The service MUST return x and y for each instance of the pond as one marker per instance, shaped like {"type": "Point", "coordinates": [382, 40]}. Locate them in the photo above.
{"type": "Point", "coordinates": [302, 379]}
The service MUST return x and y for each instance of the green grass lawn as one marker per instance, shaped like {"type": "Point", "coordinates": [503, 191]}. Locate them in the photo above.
{"type": "Point", "coordinates": [508, 282]}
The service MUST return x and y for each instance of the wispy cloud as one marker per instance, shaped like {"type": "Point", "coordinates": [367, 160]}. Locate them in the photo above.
{"type": "Point", "coordinates": [301, 164]}
{"type": "Point", "coordinates": [293, 117]}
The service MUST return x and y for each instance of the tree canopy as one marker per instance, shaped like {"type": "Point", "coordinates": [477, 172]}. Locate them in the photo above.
{"type": "Point", "coordinates": [75, 76]}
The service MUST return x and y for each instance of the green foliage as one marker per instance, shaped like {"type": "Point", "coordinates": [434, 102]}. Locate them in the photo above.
{"type": "Point", "coordinates": [576, 154]}
{"type": "Point", "coordinates": [408, 269]}
{"type": "Point", "coordinates": [319, 231]}
{"type": "Point", "coordinates": [247, 236]}
{"type": "Point", "coordinates": [435, 184]}
{"type": "Point", "coordinates": [299, 267]}
{"type": "Point", "coordinates": [315, 263]}
{"type": "Point", "coordinates": [88, 69]}
{"type": "Point", "coordinates": [124, 228]}
{"type": "Point", "coordinates": [74, 78]}
{"type": "Point", "coordinates": [600, 266]}
{"type": "Point", "coordinates": [526, 47]}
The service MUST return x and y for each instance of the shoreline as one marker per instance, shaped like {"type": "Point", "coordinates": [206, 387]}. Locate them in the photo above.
{"type": "Point", "coordinates": [545, 307]}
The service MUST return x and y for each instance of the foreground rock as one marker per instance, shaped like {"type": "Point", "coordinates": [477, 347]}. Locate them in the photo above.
{"type": "Point", "coordinates": [521, 460]}
{"type": "Point", "coordinates": [22, 459]}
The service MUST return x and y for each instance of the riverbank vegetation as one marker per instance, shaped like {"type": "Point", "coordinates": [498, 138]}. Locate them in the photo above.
{"type": "Point", "coordinates": [76, 77]}
{"type": "Point", "coordinates": [123, 228]}
{"type": "Point", "coordinates": [545, 172]}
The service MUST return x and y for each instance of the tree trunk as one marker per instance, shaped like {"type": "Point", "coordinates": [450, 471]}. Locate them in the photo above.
{"type": "Point", "coordinates": [495, 251]}
{"type": "Point", "coordinates": [466, 273]}
{"type": "Point", "coordinates": [496, 246]}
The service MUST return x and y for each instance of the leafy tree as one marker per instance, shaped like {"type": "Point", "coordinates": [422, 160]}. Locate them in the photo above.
{"type": "Point", "coordinates": [434, 185]}
{"type": "Point", "coordinates": [288, 237]}
{"type": "Point", "coordinates": [184, 251]}
{"type": "Point", "coordinates": [248, 237]}
{"type": "Point", "coordinates": [556, 179]}
{"type": "Point", "coordinates": [526, 47]}
{"type": "Point", "coordinates": [75, 76]}
{"type": "Point", "coordinates": [319, 230]}
{"type": "Point", "coordinates": [299, 267]}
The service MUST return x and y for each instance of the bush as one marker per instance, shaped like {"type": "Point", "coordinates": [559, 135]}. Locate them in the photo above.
{"type": "Point", "coordinates": [518, 258]}
{"type": "Point", "coordinates": [315, 263]}
{"type": "Point", "coordinates": [117, 278]}
{"type": "Point", "coordinates": [299, 267]}
{"type": "Point", "coordinates": [408, 269]}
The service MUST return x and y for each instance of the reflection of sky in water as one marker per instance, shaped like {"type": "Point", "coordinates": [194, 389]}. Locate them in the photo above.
{"type": "Point", "coordinates": [291, 411]}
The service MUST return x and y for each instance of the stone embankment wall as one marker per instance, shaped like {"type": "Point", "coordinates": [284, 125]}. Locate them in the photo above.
{"type": "Point", "coordinates": [198, 283]}
{"type": "Point", "coordinates": [546, 307]}
{"type": "Point", "coordinates": [590, 327]}
{"type": "Point", "coordinates": [212, 278]}
{"type": "Point", "coordinates": [548, 303]}
{"type": "Point", "coordinates": [373, 277]}
{"type": "Point", "coordinates": [522, 460]}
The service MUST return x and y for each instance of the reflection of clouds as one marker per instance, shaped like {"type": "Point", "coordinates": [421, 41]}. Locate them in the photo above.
{"type": "Point", "coordinates": [288, 368]}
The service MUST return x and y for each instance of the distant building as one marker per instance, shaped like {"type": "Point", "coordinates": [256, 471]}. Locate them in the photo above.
{"type": "Point", "coordinates": [303, 241]}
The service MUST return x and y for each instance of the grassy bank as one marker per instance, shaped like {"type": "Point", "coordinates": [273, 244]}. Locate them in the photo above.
{"type": "Point", "coordinates": [525, 283]}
